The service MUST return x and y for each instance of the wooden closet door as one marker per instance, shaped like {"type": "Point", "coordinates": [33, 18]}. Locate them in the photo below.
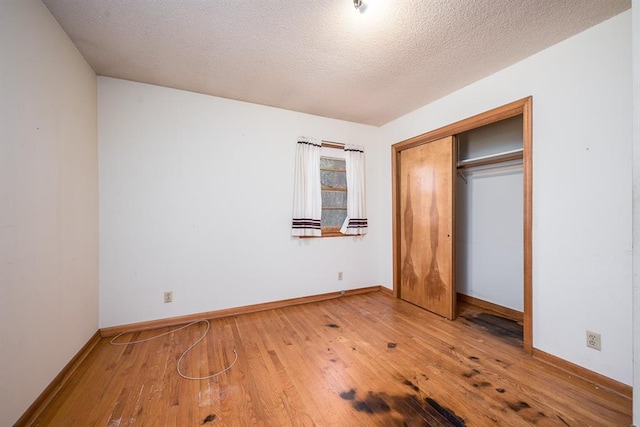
{"type": "Point", "coordinates": [426, 180]}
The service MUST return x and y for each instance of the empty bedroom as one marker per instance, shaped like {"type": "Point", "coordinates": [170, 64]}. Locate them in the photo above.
{"type": "Point", "coordinates": [336, 213]}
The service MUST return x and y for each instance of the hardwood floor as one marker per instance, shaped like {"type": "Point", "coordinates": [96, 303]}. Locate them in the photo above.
{"type": "Point", "coordinates": [358, 360]}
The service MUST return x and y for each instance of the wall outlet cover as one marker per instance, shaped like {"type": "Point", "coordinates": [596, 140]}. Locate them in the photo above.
{"type": "Point", "coordinates": [594, 340]}
{"type": "Point", "coordinates": [168, 297]}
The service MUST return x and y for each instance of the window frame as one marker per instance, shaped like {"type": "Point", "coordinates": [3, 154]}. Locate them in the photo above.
{"type": "Point", "coordinates": [333, 231]}
{"type": "Point", "coordinates": [337, 148]}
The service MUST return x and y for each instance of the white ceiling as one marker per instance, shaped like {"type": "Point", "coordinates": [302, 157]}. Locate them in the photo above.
{"type": "Point", "coordinates": [320, 56]}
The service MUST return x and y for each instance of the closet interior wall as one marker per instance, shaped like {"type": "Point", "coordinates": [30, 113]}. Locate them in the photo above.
{"type": "Point", "coordinates": [489, 217]}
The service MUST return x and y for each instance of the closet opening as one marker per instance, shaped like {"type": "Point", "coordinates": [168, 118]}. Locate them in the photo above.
{"type": "Point", "coordinates": [489, 234]}
{"type": "Point", "coordinates": [462, 221]}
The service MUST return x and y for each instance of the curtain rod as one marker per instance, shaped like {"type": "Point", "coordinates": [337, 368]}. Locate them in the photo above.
{"type": "Point", "coordinates": [332, 144]}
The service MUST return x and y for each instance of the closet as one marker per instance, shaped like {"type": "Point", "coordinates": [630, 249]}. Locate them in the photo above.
{"type": "Point", "coordinates": [462, 214]}
{"type": "Point", "coordinates": [488, 211]}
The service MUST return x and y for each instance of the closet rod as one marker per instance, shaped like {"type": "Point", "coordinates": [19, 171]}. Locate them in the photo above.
{"type": "Point", "coordinates": [492, 158]}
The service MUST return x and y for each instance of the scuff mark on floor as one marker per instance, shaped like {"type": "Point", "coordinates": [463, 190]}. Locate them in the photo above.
{"type": "Point", "coordinates": [204, 397]}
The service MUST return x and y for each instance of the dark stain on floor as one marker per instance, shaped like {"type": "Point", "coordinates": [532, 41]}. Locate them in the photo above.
{"type": "Point", "coordinates": [348, 395]}
{"type": "Point", "coordinates": [446, 413]}
{"type": "Point", "coordinates": [506, 329]}
{"type": "Point", "coordinates": [500, 390]}
{"type": "Point", "coordinates": [518, 406]}
{"type": "Point", "coordinates": [470, 374]}
{"type": "Point", "coordinates": [410, 384]}
{"type": "Point", "coordinates": [482, 384]}
{"type": "Point", "coordinates": [474, 358]}
{"type": "Point", "coordinates": [332, 325]}
{"type": "Point", "coordinates": [391, 345]}
{"type": "Point", "coordinates": [209, 418]}
{"type": "Point", "coordinates": [372, 404]}
{"type": "Point", "coordinates": [413, 409]}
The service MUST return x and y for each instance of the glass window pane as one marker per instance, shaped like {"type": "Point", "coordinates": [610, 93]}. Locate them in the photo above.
{"type": "Point", "coordinates": [333, 176]}
{"type": "Point", "coordinates": [334, 199]}
{"type": "Point", "coordinates": [333, 218]}
{"type": "Point", "coordinates": [333, 179]}
{"type": "Point", "coordinates": [331, 163]}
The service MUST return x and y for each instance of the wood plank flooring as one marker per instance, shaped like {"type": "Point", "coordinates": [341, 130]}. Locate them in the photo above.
{"type": "Point", "coordinates": [358, 360]}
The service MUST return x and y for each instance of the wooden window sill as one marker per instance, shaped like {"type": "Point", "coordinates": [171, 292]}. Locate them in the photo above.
{"type": "Point", "coordinates": [327, 232]}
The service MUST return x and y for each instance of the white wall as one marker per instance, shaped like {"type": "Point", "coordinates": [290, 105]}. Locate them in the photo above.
{"type": "Point", "coordinates": [636, 210]}
{"type": "Point", "coordinates": [196, 195]}
{"type": "Point", "coordinates": [48, 203]}
{"type": "Point", "coordinates": [489, 236]}
{"type": "Point", "coordinates": [581, 184]}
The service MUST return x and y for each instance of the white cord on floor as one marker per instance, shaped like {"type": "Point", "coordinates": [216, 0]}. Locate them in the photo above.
{"type": "Point", "coordinates": [113, 342]}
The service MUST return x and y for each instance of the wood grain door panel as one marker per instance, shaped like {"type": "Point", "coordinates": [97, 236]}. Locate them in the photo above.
{"type": "Point", "coordinates": [426, 226]}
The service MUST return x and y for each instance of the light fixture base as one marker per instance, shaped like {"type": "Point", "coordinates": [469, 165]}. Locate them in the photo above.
{"type": "Point", "coordinates": [357, 3]}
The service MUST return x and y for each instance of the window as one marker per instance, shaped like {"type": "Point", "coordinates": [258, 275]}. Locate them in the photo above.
{"type": "Point", "coordinates": [333, 181]}
{"type": "Point", "coordinates": [322, 206]}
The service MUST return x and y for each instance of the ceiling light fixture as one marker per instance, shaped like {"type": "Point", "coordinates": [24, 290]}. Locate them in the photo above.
{"type": "Point", "coordinates": [357, 3]}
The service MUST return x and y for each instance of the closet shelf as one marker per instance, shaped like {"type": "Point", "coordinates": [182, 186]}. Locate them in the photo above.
{"type": "Point", "coordinates": [492, 158]}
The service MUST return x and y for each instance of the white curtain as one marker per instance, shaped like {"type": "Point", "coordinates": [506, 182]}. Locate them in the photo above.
{"type": "Point", "coordinates": [307, 194]}
{"type": "Point", "coordinates": [356, 221]}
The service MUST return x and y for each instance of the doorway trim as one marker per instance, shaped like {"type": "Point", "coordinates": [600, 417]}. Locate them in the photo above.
{"type": "Point", "coordinates": [520, 107]}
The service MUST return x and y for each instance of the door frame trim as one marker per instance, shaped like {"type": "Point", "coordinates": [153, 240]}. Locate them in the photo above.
{"type": "Point", "coordinates": [522, 107]}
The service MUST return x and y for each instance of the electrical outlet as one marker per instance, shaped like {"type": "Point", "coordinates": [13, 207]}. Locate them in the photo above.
{"type": "Point", "coordinates": [339, 275]}
{"type": "Point", "coordinates": [168, 297]}
{"type": "Point", "coordinates": [594, 341]}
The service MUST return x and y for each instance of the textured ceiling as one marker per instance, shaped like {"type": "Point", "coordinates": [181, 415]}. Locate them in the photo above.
{"type": "Point", "coordinates": [321, 56]}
